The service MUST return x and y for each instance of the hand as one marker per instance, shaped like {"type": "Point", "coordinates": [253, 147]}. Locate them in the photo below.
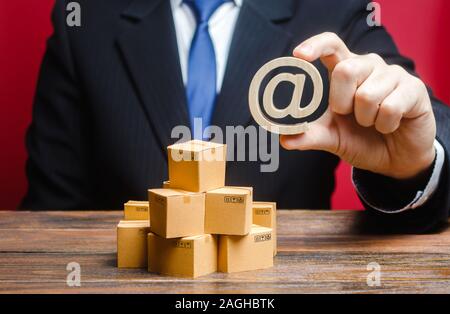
{"type": "Point", "coordinates": [379, 116]}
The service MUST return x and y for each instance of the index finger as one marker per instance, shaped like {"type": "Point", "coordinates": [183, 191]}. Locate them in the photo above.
{"type": "Point", "coordinates": [327, 46]}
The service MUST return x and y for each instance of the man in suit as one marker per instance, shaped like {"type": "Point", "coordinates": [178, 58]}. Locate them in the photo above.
{"type": "Point", "coordinates": [111, 91]}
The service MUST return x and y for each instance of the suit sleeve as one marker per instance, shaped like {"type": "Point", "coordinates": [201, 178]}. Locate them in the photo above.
{"type": "Point", "coordinates": [56, 166]}
{"type": "Point", "coordinates": [362, 38]}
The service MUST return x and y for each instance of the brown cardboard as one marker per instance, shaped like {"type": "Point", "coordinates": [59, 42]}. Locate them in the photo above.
{"type": "Point", "coordinates": [250, 252]}
{"type": "Point", "coordinates": [228, 211]}
{"type": "Point", "coordinates": [132, 243]}
{"type": "Point", "coordinates": [166, 184]}
{"type": "Point", "coordinates": [176, 213]}
{"type": "Point", "coordinates": [265, 214]}
{"type": "Point", "coordinates": [136, 210]}
{"type": "Point", "coordinates": [197, 166]}
{"type": "Point", "coordinates": [185, 257]}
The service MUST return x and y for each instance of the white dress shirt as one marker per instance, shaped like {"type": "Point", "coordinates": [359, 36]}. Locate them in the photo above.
{"type": "Point", "coordinates": [221, 27]}
{"type": "Point", "coordinates": [421, 196]}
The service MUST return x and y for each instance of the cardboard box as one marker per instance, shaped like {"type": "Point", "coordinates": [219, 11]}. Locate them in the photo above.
{"type": "Point", "coordinates": [197, 166]}
{"type": "Point", "coordinates": [185, 257]}
{"type": "Point", "coordinates": [166, 184]}
{"type": "Point", "coordinates": [136, 210]}
{"type": "Point", "coordinates": [250, 252]}
{"type": "Point", "coordinates": [176, 213]}
{"type": "Point", "coordinates": [132, 243]}
{"type": "Point", "coordinates": [265, 214]}
{"type": "Point", "coordinates": [228, 211]}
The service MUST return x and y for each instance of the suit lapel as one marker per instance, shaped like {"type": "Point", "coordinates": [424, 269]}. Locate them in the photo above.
{"type": "Point", "coordinates": [147, 41]}
{"type": "Point", "coordinates": [257, 39]}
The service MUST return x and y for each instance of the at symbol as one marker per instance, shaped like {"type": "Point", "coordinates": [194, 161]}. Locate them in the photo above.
{"type": "Point", "coordinates": [293, 109]}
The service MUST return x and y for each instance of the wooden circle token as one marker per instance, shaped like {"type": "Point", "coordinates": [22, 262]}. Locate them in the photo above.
{"type": "Point", "coordinates": [293, 109]}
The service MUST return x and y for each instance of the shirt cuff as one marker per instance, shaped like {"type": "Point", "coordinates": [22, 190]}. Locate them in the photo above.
{"type": "Point", "coordinates": [421, 196]}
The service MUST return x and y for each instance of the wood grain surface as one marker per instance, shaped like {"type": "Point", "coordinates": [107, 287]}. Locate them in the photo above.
{"type": "Point", "coordinates": [319, 252]}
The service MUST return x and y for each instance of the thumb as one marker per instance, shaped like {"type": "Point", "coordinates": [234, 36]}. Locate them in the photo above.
{"type": "Point", "coordinates": [318, 137]}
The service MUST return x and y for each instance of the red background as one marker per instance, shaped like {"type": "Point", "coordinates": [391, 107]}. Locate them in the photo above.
{"type": "Point", "coordinates": [420, 27]}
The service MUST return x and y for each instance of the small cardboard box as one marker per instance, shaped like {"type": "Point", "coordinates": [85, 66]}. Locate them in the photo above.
{"type": "Point", "coordinates": [265, 214]}
{"type": "Point", "coordinates": [250, 252]}
{"type": "Point", "coordinates": [176, 213]}
{"type": "Point", "coordinates": [228, 211]}
{"type": "Point", "coordinates": [132, 243]}
{"type": "Point", "coordinates": [136, 210]}
{"type": "Point", "coordinates": [166, 184]}
{"type": "Point", "coordinates": [185, 257]}
{"type": "Point", "coordinates": [197, 166]}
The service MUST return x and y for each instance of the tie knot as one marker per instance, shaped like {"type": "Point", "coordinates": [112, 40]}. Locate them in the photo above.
{"type": "Point", "coordinates": [203, 9]}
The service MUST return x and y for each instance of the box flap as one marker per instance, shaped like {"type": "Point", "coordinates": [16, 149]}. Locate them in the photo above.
{"type": "Point", "coordinates": [239, 190]}
{"type": "Point", "coordinates": [195, 146]}
{"type": "Point", "coordinates": [171, 192]}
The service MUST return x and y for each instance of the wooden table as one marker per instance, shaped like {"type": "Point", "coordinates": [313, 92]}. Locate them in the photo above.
{"type": "Point", "coordinates": [319, 252]}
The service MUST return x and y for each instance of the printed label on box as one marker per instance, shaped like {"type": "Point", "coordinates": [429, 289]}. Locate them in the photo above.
{"type": "Point", "coordinates": [263, 237]}
{"type": "Point", "coordinates": [233, 199]}
{"type": "Point", "coordinates": [262, 212]}
{"type": "Point", "coordinates": [183, 244]}
{"type": "Point", "coordinates": [160, 199]}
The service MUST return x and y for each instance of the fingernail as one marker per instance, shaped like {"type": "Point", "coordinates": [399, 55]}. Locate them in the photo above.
{"type": "Point", "coordinates": [288, 142]}
{"type": "Point", "coordinates": [303, 49]}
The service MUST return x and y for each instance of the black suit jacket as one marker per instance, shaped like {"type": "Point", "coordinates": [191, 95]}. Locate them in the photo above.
{"type": "Point", "coordinates": [110, 92]}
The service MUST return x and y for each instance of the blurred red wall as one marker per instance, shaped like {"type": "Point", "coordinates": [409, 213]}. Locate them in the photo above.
{"type": "Point", "coordinates": [24, 27]}
{"type": "Point", "coordinates": [420, 27]}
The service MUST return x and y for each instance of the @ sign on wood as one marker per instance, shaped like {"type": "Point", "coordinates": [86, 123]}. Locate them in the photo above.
{"type": "Point", "coordinates": [293, 109]}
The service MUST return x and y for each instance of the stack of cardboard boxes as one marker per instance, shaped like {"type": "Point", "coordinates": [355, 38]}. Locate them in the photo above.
{"type": "Point", "coordinates": [195, 225]}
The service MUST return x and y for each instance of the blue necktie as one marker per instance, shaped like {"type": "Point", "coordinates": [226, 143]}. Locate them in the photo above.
{"type": "Point", "coordinates": [201, 82]}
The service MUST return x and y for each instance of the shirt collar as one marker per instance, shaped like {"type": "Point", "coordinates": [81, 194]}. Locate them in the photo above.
{"type": "Point", "coordinates": [178, 3]}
